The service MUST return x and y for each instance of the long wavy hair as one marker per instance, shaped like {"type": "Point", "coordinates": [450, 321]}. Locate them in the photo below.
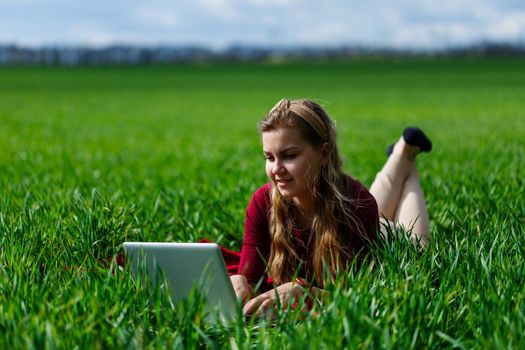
{"type": "Point", "coordinates": [334, 224]}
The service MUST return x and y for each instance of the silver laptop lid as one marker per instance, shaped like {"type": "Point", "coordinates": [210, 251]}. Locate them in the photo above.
{"type": "Point", "coordinates": [185, 265]}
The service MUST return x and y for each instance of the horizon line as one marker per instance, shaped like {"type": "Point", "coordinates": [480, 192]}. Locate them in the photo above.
{"type": "Point", "coordinates": [278, 47]}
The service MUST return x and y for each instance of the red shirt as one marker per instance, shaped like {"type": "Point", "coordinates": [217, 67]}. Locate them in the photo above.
{"type": "Point", "coordinates": [256, 244]}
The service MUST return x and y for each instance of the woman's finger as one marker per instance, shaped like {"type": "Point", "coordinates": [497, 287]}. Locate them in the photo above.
{"type": "Point", "coordinates": [252, 305]}
{"type": "Point", "coordinates": [266, 309]}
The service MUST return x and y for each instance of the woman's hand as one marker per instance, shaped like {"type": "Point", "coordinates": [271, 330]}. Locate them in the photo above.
{"type": "Point", "coordinates": [265, 303]}
{"type": "Point", "coordinates": [241, 287]}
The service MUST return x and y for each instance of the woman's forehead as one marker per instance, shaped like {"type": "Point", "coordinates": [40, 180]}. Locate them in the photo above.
{"type": "Point", "coordinates": [282, 135]}
{"type": "Point", "coordinates": [282, 138]}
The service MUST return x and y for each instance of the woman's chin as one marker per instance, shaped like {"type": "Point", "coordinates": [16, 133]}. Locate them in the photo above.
{"type": "Point", "coordinates": [286, 193]}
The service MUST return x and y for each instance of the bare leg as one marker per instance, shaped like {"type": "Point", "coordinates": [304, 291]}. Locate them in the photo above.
{"type": "Point", "coordinates": [388, 184]}
{"type": "Point", "coordinates": [412, 212]}
{"type": "Point", "coordinates": [398, 193]}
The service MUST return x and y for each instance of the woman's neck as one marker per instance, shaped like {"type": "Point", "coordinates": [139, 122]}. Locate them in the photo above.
{"type": "Point", "coordinates": [305, 210]}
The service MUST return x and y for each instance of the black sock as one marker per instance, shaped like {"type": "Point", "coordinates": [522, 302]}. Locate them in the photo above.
{"type": "Point", "coordinates": [389, 149]}
{"type": "Point", "coordinates": [414, 136]}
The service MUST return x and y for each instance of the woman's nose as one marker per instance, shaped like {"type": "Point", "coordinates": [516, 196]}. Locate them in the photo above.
{"type": "Point", "coordinates": [278, 169]}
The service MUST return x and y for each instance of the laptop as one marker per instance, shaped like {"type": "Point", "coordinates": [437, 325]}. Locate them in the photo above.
{"type": "Point", "coordinates": [186, 266]}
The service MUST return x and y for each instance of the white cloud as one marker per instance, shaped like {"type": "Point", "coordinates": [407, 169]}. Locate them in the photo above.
{"type": "Point", "coordinates": [426, 23]}
{"type": "Point", "coordinates": [93, 35]}
{"type": "Point", "coordinates": [273, 3]}
{"type": "Point", "coordinates": [508, 27]}
{"type": "Point", "coordinates": [20, 2]}
{"type": "Point", "coordinates": [220, 9]}
{"type": "Point", "coordinates": [157, 17]}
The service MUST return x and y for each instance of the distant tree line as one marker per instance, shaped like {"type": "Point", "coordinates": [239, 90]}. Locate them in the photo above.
{"type": "Point", "coordinates": [134, 55]}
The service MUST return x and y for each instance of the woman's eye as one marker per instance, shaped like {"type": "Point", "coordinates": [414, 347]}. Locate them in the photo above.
{"type": "Point", "coordinates": [289, 156]}
{"type": "Point", "coordinates": [268, 158]}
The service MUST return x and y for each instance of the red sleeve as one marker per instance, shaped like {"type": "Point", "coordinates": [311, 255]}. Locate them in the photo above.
{"type": "Point", "coordinates": [256, 243]}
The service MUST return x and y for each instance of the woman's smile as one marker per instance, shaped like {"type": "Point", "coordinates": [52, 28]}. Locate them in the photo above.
{"type": "Point", "coordinates": [283, 183]}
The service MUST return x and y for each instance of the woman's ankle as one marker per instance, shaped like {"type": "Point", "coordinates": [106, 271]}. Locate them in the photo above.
{"type": "Point", "coordinates": [413, 142]}
{"type": "Point", "coordinates": [403, 149]}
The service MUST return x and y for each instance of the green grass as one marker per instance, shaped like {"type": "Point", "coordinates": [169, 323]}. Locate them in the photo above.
{"type": "Point", "coordinates": [91, 157]}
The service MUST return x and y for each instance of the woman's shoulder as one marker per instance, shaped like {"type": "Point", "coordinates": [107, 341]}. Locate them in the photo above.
{"type": "Point", "coordinates": [263, 192]}
{"type": "Point", "coordinates": [261, 196]}
{"type": "Point", "coordinates": [353, 186]}
{"type": "Point", "coordinates": [358, 193]}
{"type": "Point", "coordinates": [364, 206]}
{"type": "Point", "coordinates": [259, 207]}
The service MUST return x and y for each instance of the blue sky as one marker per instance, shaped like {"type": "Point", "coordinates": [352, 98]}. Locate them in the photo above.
{"type": "Point", "coordinates": [220, 23]}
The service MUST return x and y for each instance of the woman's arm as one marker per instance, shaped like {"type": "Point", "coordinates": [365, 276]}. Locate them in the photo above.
{"type": "Point", "coordinates": [256, 242]}
{"type": "Point", "coordinates": [242, 288]}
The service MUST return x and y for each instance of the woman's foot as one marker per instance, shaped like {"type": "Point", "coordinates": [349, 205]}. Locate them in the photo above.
{"type": "Point", "coordinates": [415, 139]}
{"type": "Point", "coordinates": [414, 136]}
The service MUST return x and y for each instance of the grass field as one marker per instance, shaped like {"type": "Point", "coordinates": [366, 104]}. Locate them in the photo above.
{"type": "Point", "coordinates": [91, 157]}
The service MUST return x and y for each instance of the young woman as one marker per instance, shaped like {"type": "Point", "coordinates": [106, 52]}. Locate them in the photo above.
{"type": "Point", "coordinates": [312, 220]}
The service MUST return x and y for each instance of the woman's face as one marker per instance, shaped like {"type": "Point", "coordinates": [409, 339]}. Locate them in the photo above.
{"type": "Point", "coordinates": [291, 162]}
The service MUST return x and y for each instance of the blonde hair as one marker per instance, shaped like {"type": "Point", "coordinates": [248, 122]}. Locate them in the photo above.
{"type": "Point", "coordinates": [334, 224]}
